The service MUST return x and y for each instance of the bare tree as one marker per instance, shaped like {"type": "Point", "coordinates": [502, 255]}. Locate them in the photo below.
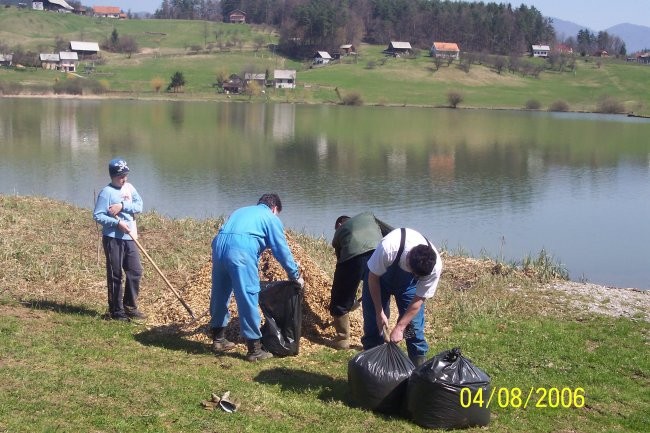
{"type": "Point", "coordinates": [454, 98]}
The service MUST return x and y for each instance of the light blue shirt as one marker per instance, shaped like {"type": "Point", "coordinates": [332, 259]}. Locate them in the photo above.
{"type": "Point", "coordinates": [132, 202]}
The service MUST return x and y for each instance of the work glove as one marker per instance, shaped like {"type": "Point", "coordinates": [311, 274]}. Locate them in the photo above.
{"type": "Point", "coordinates": [300, 282]}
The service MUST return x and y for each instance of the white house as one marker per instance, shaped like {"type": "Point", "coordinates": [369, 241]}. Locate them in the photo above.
{"type": "Point", "coordinates": [84, 49]}
{"type": "Point", "coordinates": [322, 57]}
{"type": "Point", "coordinates": [6, 59]}
{"type": "Point", "coordinates": [68, 61]}
{"type": "Point", "coordinates": [52, 5]}
{"type": "Point", "coordinates": [284, 79]}
{"type": "Point", "coordinates": [540, 50]}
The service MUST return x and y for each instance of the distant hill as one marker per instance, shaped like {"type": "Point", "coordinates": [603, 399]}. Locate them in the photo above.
{"type": "Point", "coordinates": [565, 29]}
{"type": "Point", "coordinates": [635, 37]}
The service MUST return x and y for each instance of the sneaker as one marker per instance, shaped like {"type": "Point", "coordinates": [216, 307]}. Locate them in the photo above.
{"type": "Point", "coordinates": [120, 318]}
{"type": "Point", "coordinates": [136, 314]}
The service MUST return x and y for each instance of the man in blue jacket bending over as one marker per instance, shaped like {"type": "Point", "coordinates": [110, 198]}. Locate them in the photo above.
{"type": "Point", "coordinates": [236, 251]}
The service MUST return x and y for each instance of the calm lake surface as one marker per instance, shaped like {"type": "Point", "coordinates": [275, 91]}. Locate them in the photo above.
{"type": "Point", "coordinates": [505, 184]}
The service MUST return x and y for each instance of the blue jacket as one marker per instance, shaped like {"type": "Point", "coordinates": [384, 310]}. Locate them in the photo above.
{"type": "Point", "coordinates": [256, 228]}
{"type": "Point", "coordinates": [109, 195]}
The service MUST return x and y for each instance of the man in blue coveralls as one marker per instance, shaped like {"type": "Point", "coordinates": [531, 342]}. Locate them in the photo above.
{"type": "Point", "coordinates": [236, 251]}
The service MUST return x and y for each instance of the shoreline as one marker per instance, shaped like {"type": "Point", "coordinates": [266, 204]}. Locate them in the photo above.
{"type": "Point", "coordinates": [207, 98]}
{"type": "Point", "coordinates": [566, 286]}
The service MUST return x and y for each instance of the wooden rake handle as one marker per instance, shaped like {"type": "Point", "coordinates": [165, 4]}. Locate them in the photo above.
{"type": "Point", "coordinates": [178, 296]}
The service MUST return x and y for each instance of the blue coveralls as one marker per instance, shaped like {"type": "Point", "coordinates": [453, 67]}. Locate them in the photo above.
{"type": "Point", "coordinates": [401, 284]}
{"type": "Point", "coordinates": [236, 251]}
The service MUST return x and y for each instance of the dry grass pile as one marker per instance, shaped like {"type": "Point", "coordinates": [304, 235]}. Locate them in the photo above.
{"type": "Point", "coordinates": [166, 312]}
{"type": "Point", "coordinates": [51, 258]}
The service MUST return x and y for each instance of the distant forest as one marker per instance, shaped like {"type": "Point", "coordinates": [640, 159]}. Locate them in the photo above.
{"type": "Point", "coordinates": [308, 25]}
{"type": "Point", "coordinates": [305, 25]}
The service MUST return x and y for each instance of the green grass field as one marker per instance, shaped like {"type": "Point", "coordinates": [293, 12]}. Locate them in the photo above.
{"type": "Point", "coordinates": [192, 47]}
{"type": "Point", "coordinates": [64, 368]}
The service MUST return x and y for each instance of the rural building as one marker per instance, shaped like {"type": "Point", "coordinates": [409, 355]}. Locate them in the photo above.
{"type": "Point", "coordinates": [445, 50]}
{"type": "Point", "coordinates": [85, 50]}
{"type": "Point", "coordinates": [347, 49]}
{"type": "Point", "coordinates": [601, 53]}
{"type": "Point", "coordinates": [68, 61]}
{"type": "Point", "coordinates": [234, 84]}
{"type": "Point", "coordinates": [108, 12]}
{"type": "Point", "coordinates": [6, 59]}
{"type": "Point", "coordinates": [643, 58]}
{"type": "Point", "coordinates": [63, 61]}
{"type": "Point", "coordinates": [562, 49]}
{"type": "Point", "coordinates": [322, 58]}
{"type": "Point", "coordinates": [284, 79]}
{"type": "Point", "coordinates": [540, 50]}
{"type": "Point", "coordinates": [252, 77]}
{"type": "Point", "coordinates": [52, 5]}
{"type": "Point", "coordinates": [237, 17]}
{"type": "Point", "coordinates": [49, 60]}
{"type": "Point", "coordinates": [396, 48]}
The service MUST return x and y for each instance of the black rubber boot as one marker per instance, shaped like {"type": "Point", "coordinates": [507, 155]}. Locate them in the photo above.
{"type": "Point", "coordinates": [256, 352]}
{"type": "Point", "coordinates": [219, 342]}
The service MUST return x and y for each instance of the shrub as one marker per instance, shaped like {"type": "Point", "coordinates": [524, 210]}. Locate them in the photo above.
{"type": "Point", "coordinates": [559, 105]}
{"type": "Point", "coordinates": [68, 87]}
{"type": "Point", "coordinates": [454, 98]}
{"type": "Point", "coordinates": [78, 86]}
{"type": "Point", "coordinates": [353, 98]}
{"type": "Point", "coordinates": [10, 88]}
{"type": "Point", "coordinates": [533, 104]}
{"type": "Point", "coordinates": [610, 105]}
{"type": "Point", "coordinates": [157, 83]}
{"type": "Point", "coordinates": [176, 82]}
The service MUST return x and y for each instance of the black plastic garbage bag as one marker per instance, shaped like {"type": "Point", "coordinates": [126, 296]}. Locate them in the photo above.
{"type": "Point", "coordinates": [378, 378]}
{"type": "Point", "coordinates": [281, 304]}
{"type": "Point", "coordinates": [434, 392]}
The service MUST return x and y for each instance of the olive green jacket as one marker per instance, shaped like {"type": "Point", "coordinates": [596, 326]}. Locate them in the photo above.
{"type": "Point", "coordinates": [358, 235]}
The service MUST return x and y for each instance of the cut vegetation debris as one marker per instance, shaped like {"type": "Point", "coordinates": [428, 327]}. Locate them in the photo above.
{"type": "Point", "coordinates": [51, 254]}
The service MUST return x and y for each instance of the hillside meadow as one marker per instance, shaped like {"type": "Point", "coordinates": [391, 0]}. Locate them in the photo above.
{"type": "Point", "coordinates": [201, 50]}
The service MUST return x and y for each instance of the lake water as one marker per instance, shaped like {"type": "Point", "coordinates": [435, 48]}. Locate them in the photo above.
{"type": "Point", "coordinates": [506, 184]}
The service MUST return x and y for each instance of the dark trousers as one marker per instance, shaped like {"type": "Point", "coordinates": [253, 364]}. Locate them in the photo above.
{"type": "Point", "coordinates": [347, 276]}
{"type": "Point", "coordinates": [122, 255]}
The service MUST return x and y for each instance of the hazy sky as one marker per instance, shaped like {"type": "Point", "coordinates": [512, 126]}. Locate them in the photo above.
{"type": "Point", "coordinates": [595, 14]}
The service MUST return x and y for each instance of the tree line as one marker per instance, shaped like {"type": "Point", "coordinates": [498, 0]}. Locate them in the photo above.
{"type": "Point", "coordinates": [325, 25]}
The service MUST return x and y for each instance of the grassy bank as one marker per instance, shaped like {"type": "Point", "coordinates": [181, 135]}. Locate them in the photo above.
{"type": "Point", "coordinates": [64, 368]}
{"type": "Point", "coordinates": [197, 50]}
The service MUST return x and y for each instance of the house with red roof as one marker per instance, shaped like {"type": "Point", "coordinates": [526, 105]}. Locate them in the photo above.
{"type": "Point", "coordinates": [445, 50]}
{"type": "Point", "coordinates": [108, 12]}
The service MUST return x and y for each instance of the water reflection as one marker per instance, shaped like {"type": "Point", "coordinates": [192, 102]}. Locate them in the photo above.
{"type": "Point", "coordinates": [509, 183]}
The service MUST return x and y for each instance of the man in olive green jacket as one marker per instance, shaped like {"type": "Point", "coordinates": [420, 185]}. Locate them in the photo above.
{"type": "Point", "coordinates": [354, 242]}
